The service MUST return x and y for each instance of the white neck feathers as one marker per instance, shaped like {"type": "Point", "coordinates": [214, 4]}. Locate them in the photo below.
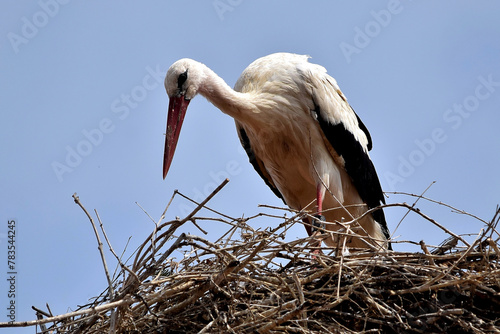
{"type": "Point", "coordinates": [217, 91]}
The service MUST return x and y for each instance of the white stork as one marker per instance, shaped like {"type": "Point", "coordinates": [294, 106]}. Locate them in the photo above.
{"type": "Point", "coordinates": [301, 136]}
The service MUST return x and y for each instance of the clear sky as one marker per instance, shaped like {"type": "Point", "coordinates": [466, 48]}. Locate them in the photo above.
{"type": "Point", "coordinates": [83, 109]}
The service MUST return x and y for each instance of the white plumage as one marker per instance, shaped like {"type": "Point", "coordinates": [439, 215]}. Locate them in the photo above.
{"type": "Point", "coordinates": [301, 135]}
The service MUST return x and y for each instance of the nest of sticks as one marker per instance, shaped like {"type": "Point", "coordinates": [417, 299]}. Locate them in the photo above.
{"type": "Point", "coordinates": [253, 281]}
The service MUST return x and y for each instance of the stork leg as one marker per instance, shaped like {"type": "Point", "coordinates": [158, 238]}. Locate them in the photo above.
{"type": "Point", "coordinates": [312, 225]}
{"type": "Point", "coordinates": [320, 194]}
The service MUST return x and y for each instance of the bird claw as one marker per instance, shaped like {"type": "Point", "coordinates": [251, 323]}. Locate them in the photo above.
{"type": "Point", "coordinates": [318, 224]}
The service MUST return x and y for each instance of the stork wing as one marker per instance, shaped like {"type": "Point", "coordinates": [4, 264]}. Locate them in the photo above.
{"type": "Point", "coordinates": [256, 162]}
{"type": "Point", "coordinates": [350, 138]}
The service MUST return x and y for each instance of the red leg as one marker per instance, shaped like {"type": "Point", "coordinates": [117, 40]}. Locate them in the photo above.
{"type": "Point", "coordinates": [319, 199]}
{"type": "Point", "coordinates": [319, 210]}
{"type": "Point", "coordinates": [318, 218]}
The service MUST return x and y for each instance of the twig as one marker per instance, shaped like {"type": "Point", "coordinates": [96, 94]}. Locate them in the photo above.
{"type": "Point", "coordinates": [405, 205]}
{"type": "Point", "coordinates": [426, 251]}
{"type": "Point", "coordinates": [214, 192]}
{"type": "Point", "coordinates": [120, 263]}
{"type": "Point", "coordinates": [92, 310]}
{"type": "Point", "coordinates": [99, 243]}
{"type": "Point", "coordinates": [39, 315]}
{"type": "Point", "coordinates": [413, 206]}
{"type": "Point", "coordinates": [300, 295]}
{"type": "Point", "coordinates": [438, 202]}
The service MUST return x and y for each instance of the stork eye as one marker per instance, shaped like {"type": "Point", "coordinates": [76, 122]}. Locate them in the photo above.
{"type": "Point", "coordinates": [182, 79]}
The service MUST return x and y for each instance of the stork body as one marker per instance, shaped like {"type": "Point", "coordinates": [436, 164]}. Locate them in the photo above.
{"type": "Point", "coordinates": [300, 134]}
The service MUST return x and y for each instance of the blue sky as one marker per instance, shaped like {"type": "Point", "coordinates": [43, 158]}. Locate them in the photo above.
{"type": "Point", "coordinates": [83, 110]}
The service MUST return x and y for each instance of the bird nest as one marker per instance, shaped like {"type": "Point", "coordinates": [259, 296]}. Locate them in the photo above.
{"type": "Point", "coordinates": [255, 281]}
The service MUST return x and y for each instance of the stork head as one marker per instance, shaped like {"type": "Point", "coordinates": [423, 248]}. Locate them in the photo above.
{"type": "Point", "coordinates": [182, 83]}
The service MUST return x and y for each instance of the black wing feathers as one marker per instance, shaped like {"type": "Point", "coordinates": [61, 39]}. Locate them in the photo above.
{"type": "Point", "coordinates": [357, 164]}
{"type": "Point", "coordinates": [365, 130]}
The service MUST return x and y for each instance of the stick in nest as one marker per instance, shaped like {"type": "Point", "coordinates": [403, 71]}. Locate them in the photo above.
{"type": "Point", "coordinates": [235, 286]}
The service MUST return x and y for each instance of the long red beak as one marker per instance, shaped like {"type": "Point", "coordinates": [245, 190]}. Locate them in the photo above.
{"type": "Point", "coordinates": [176, 110]}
